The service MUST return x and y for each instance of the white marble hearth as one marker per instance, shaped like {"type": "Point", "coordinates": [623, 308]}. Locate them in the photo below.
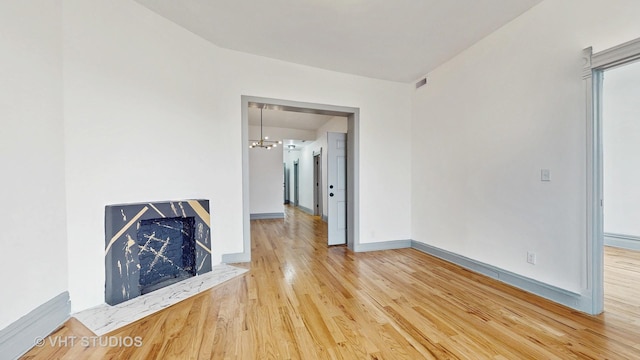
{"type": "Point", "coordinates": [104, 318]}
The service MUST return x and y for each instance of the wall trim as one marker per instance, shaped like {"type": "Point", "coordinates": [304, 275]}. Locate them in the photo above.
{"type": "Point", "coordinates": [549, 292]}
{"type": "Point", "coordinates": [628, 242]}
{"type": "Point", "coordinates": [594, 66]}
{"type": "Point", "coordinates": [382, 245]}
{"type": "Point", "coordinates": [306, 209]}
{"type": "Point", "coordinates": [265, 216]}
{"type": "Point", "coordinates": [20, 336]}
{"type": "Point", "coordinates": [617, 55]}
{"type": "Point", "coordinates": [234, 258]}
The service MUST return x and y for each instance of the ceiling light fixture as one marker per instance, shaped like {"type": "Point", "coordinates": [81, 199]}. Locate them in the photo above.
{"type": "Point", "coordinates": [264, 141]}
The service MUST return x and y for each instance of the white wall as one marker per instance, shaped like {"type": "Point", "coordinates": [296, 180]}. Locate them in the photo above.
{"type": "Point", "coordinates": [266, 181]}
{"type": "Point", "coordinates": [33, 245]}
{"type": "Point", "coordinates": [266, 192]}
{"type": "Point", "coordinates": [141, 91]}
{"type": "Point", "coordinates": [266, 173]}
{"type": "Point", "coordinates": [139, 98]}
{"type": "Point", "coordinates": [621, 150]}
{"type": "Point", "coordinates": [490, 119]}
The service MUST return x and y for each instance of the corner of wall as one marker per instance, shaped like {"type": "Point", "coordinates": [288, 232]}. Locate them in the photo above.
{"type": "Point", "coordinates": [31, 329]}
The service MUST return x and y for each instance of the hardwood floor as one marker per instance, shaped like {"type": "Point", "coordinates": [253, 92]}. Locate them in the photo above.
{"type": "Point", "coordinates": [304, 300]}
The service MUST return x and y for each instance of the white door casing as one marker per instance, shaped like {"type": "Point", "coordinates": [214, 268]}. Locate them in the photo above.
{"type": "Point", "coordinates": [317, 184]}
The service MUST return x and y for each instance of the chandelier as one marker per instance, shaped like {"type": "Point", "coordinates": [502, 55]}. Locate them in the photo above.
{"type": "Point", "coordinates": [264, 141]}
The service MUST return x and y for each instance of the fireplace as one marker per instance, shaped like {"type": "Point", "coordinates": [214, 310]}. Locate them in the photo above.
{"type": "Point", "coordinates": [167, 252]}
{"type": "Point", "coordinates": [153, 245]}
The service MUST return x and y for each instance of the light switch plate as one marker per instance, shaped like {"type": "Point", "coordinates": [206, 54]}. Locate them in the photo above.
{"type": "Point", "coordinates": [545, 175]}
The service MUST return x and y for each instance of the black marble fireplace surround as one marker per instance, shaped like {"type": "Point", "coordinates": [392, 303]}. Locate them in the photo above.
{"type": "Point", "coordinates": [152, 245]}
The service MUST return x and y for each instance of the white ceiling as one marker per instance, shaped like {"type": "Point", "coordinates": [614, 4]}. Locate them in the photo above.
{"type": "Point", "coordinates": [287, 119]}
{"type": "Point", "coordinates": [298, 144]}
{"type": "Point", "coordinates": [399, 40]}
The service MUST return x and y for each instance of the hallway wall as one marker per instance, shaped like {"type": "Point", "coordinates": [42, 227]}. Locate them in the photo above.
{"type": "Point", "coordinates": [621, 150]}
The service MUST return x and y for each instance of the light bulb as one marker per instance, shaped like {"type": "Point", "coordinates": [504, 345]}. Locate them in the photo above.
{"type": "Point", "coordinates": [279, 141]}
{"type": "Point", "coordinates": [266, 138]}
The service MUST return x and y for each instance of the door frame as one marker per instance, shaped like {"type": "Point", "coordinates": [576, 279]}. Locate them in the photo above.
{"type": "Point", "coordinates": [287, 192]}
{"type": "Point", "coordinates": [317, 183]}
{"type": "Point", "coordinates": [296, 182]}
{"type": "Point", "coordinates": [353, 165]}
{"type": "Point", "coordinates": [594, 66]}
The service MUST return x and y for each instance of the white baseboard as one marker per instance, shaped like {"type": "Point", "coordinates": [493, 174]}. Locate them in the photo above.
{"type": "Point", "coordinates": [19, 337]}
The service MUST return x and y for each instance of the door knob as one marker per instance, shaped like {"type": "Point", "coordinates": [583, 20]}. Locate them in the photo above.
{"type": "Point", "coordinates": [331, 194]}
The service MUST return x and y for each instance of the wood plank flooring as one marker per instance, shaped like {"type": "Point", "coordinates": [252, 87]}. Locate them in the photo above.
{"type": "Point", "coordinates": [304, 300]}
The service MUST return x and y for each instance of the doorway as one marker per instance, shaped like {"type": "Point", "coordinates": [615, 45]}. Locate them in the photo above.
{"type": "Point", "coordinates": [353, 118]}
{"type": "Point", "coordinates": [296, 183]}
{"type": "Point", "coordinates": [286, 183]}
{"type": "Point", "coordinates": [620, 88]}
{"type": "Point", "coordinates": [621, 155]}
{"type": "Point", "coordinates": [594, 67]}
{"type": "Point", "coordinates": [317, 184]}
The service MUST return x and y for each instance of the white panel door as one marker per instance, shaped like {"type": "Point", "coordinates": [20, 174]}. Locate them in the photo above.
{"type": "Point", "coordinates": [337, 188]}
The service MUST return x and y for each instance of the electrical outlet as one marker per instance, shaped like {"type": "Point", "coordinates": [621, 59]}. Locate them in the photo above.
{"type": "Point", "coordinates": [531, 257]}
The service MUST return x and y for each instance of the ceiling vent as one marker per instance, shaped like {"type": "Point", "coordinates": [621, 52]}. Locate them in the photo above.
{"type": "Point", "coordinates": [421, 83]}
